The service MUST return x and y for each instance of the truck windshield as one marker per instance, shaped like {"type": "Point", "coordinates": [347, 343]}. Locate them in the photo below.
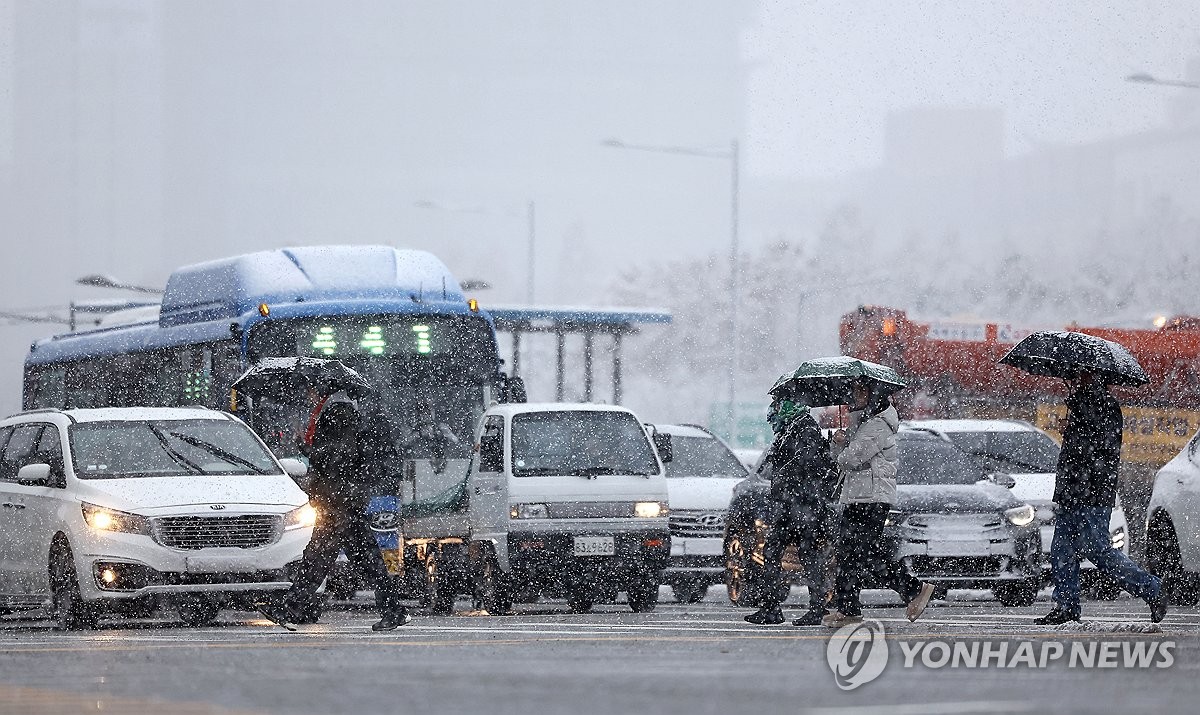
{"type": "Point", "coordinates": [702, 457]}
{"type": "Point", "coordinates": [580, 443]}
{"type": "Point", "coordinates": [166, 448]}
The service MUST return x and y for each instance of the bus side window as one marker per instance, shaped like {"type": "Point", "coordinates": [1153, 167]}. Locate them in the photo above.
{"type": "Point", "coordinates": [46, 387]}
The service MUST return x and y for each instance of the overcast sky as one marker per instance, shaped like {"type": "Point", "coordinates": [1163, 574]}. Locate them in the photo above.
{"type": "Point", "coordinates": [825, 74]}
{"type": "Point", "coordinates": [191, 130]}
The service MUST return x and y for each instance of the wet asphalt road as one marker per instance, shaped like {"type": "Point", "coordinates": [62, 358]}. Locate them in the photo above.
{"type": "Point", "coordinates": [699, 658]}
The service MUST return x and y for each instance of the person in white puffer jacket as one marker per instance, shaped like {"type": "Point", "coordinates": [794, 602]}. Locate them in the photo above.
{"type": "Point", "coordinates": [866, 455]}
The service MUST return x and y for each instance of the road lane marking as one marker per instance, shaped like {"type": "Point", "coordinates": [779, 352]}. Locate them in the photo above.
{"type": "Point", "coordinates": [21, 700]}
{"type": "Point", "coordinates": [966, 707]}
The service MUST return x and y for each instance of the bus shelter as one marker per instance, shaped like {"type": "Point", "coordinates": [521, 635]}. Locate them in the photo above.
{"type": "Point", "coordinates": [519, 321]}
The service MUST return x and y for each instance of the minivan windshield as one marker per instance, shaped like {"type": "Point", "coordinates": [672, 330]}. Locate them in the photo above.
{"type": "Point", "coordinates": [1024, 451]}
{"type": "Point", "coordinates": [702, 457]}
{"type": "Point", "coordinates": [580, 443]}
{"type": "Point", "coordinates": [166, 448]}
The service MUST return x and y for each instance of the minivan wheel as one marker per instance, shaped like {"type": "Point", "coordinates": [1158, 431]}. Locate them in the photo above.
{"type": "Point", "coordinates": [197, 612]}
{"type": "Point", "coordinates": [71, 612]}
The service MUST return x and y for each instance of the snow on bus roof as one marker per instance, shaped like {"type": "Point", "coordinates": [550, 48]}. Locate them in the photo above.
{"type": "Point", "coordinates": [229, 287]}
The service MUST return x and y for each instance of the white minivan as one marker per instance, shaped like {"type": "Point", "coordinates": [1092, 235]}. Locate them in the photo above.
{"type": "Point", "coordinates": [113, 510]}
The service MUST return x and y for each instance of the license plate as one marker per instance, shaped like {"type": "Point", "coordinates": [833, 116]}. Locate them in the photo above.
{"type": "Point", "coordinates": [595, 546]}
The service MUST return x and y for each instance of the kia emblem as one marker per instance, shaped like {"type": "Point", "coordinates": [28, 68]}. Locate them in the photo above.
{"type": "Point", "coordinates": [216, 507]}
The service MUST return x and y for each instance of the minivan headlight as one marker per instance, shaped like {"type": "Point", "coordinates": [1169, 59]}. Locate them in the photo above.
{"type": "Point", "coordinates": [300, 518]}
{"type": "Point", "coordinates": [528, 511]}
{"type": "Point", "coordinates": [1117, 538]}
{"type": "Point", "coordinates": [105, 519]}
{"type": "Point", "coordinates": [1020, 515]}
{"type": "Point", "coordinates": [894, 518]}
{"type": "Point", "coordinates": [649, 509]}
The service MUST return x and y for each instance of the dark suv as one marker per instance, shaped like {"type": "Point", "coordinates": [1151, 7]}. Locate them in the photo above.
{"type": "Point", "coordinates": [951, 526]}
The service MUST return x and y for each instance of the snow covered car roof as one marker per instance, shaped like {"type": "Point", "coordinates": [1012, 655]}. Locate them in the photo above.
{"type": "Point", "coordinates": [970, 425]}
{"type": "Point", "coordinates": [524, 407]}
{"type": "Point", "coordinates": [126, 414]}
{"type": "Point", "coordinates": [683, 431]}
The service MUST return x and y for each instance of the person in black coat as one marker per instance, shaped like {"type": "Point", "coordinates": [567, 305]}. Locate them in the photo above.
{"type": "Point", "coordinates": [1085, 491]}
{"type": "Point", "coordinates": [348, 465]}
{"type": "Point", "coordinates": [802, 485]}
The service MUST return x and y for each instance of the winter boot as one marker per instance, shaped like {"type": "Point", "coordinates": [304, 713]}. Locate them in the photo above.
{"type": "Point", "coordinates": [391, 621]}
{"type": "Point", "coordinates": [1158, 604]}
{"type": "Point", "coordinates": [766, 616]}
{"type": "Point", "coordinates": [917, 606]}
{"type": "Point", "coordinates": [812, 617]}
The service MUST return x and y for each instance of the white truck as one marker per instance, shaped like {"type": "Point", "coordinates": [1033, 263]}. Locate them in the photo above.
{"type": "Point", "coordinates": [559, 500]}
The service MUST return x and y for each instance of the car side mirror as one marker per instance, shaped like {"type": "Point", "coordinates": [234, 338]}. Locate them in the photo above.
{"type": "Point", "coordinates": [662, 443]}
{"type": "Point", "coordinates": [34, 474]}
{"type": "Point", "coordinates": [1001, 479]}
{"type": "Point", "coordinates": [294, 467]}
{"type": "Point", "coordinates": [491, 453]}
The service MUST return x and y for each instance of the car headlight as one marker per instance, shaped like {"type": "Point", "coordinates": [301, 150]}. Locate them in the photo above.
{"type": "Point", "coordinates": [300, 518]}
{"type": "Point", "coordinates": [104, 519]}
{"type": "Point", "coordinates": [529, 511]}
{"type": "Point", "coordinates": [649, 509]}
{"type": "Point", "coordinates": [1118, 538]}
{"type": "Point", "coordinates": [894, 518]}
{"type": "Point", "coordinates": [1020, 515]}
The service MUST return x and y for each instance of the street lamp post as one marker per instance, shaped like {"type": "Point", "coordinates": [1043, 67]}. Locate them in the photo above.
{"type": "Point", "coordinates": [734, 190]}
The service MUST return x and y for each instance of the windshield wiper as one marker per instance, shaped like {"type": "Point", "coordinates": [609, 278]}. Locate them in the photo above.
{"type": "Point", "coordinates": [219, 453]}
{"type": "Point", "coordinates": [179, 458]}
{"type": "Point", "coordinates": [538, 471]}
{"type": "Point", "coordinates": [1013, 461]}
{"type": "Point", "coordinates": [594, 471]}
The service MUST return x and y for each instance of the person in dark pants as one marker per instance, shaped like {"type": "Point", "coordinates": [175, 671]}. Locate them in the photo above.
{"type": "Point", "coordinates": [345, 473]}
{"type": "Point", "coordinates": [1085, 490]}
{"type": "Point", "coordinates": [802, 483]}
{"type": "Point", "coordinates": [867, 457]}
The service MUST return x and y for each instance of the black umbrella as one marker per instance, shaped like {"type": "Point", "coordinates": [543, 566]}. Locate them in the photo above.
{"type": "Point", "coordinates": [286, 379]}
{"type": "Point", "coordinates": [1066, 354]}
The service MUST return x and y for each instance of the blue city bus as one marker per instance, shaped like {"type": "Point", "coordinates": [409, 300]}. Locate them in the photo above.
{"type": "Point", "coordinates": [399, 317]}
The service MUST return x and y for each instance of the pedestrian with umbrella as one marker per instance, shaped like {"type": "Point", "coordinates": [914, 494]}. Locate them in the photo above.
{"type": "Point", "coordinates": [345, 472]}
{"type": "Point", "coordinates": [866, 457]}
{"type": "Point", "coordinates": [802, 485]}
{"type": "Point", "coordinates": [1085, 485]}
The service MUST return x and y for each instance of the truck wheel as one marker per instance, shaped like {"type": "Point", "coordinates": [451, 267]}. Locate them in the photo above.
{"type": "Point", "coordinates": [197, 612]}
{"type": "Point", "coordinates": [643, 593]}
{"type": "Point", "coordinates": [580, 600]}
{"type": "Point", "coordinates": [1164, 561]}
{"type": "Point", "coordinates": [71, 612]}
{"type": "Point", "coordinates": [437, 587]}
{"type": "Point", "coordinates": [495, 594]}
{"type": "Point", "coordinates": [689, 591]}
{"type": "Point", "coordinates": [1017, 594]}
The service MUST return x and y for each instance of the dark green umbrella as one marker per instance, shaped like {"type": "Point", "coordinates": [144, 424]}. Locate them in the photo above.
{"type": "Point", "coordinates": [830, 381]}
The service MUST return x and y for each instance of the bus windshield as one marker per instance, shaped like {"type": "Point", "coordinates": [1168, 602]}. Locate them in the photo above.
{"type": "Point", "coordinates": [428, 375]}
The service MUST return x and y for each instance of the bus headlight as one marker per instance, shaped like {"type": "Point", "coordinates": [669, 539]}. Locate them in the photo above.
{"type": "Point", "coordinates": [301, 518]}
{"type": "Point", "coordinates": [104, 519]}
{"type": "Point", "coordinates": [649, 509]}
{"type": "Point", "coordinates": [1020, 515]}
